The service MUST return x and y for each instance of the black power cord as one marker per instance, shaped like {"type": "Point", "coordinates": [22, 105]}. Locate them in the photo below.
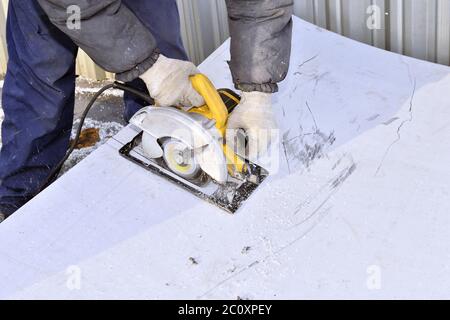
{"type": "Point", "coordinates": [116, 85]}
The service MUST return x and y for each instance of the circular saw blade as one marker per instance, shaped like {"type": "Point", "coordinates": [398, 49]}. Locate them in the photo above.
{"type": "Point", "coordinates": [180, 159]}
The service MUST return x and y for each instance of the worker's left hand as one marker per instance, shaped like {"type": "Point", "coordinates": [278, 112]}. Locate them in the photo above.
{"type": "Point", "coordinates": [169, 84]}
{"type": "Point", "coordinates": [255, 116]}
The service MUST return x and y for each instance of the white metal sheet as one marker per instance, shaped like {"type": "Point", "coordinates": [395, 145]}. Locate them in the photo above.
{"type": "Point", "coordinates": [358, 209]}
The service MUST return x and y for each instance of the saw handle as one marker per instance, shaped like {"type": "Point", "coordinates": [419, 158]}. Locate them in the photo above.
{"type": "Point", "coordinates": [216, 109]}
{"type": "Point", "coordinates": [213, 102]}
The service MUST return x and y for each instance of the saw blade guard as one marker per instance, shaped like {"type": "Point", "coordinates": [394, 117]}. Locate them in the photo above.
{"type": "Point", "coordinates": [195, 131]}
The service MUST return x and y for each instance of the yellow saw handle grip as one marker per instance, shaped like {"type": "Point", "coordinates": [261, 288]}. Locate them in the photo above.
{"type": "Point", "coordinates": [214, 103]}
{"type": "Point", "coordinates": [216, 109]}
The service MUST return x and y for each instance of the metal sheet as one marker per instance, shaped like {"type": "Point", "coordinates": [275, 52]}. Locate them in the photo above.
{"type": "Point", "coordinates": [357, 208]}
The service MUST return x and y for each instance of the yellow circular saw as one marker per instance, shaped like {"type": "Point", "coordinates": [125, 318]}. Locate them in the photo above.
{"type": "Point", "coordinates": [188, 146]}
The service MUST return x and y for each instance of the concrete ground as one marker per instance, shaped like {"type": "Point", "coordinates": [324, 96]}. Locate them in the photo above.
{"type": "Point", "coordinates": [109, 107]}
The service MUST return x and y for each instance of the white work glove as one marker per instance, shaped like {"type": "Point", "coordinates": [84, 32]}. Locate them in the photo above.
{"type": "Point", "coordinates": [255, 116]}
{"type": "Point", "coordinates": [168, 83]}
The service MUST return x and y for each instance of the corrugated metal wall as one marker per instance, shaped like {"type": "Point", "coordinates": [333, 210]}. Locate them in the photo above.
{"type": "Point", "coordinates": [419, 28]}
{"type": "Point", "coordinates": [3, 8]}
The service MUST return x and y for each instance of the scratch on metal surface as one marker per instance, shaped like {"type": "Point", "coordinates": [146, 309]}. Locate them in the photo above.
{"type": "Point", "coordinates": [285, 151]}
{"type": "Point", "coordinates": [317, 79]}
{"type": "Point", "coordinates": [322, 215]}
{"type": "Point", "coordinates": [308, 147]}
{"type": "Point", "coordinates": [313, 117]}
{"type": "Point", "coordinates": [400, 127]}
{"type": "Point", "coordinates": [251, 265]}
{"type": "Point", "coordinates": [390, 121]}
{"type": "Point", "coordinates": [319, 213]}
{"type": "Point", "coordinates": [328, 189]}
{"type": "Point", "coordinates": [305, 62]}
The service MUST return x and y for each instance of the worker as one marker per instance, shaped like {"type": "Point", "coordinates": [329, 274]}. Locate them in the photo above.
{"type": "Point", "coordinates": [139, 41]}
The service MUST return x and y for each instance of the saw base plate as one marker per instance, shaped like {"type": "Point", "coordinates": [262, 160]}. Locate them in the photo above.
{"type": "Point", "coordinates": [228, 197]}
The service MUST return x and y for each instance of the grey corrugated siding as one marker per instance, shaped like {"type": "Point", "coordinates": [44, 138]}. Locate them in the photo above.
{"type": "Point", "coordinates": [419, 28]}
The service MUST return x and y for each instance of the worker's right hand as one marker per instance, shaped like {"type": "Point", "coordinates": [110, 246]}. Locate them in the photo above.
{"type": "Point", "coordinates": [254, 115]}
{"type": "Point", "coordinates": [169, 84]}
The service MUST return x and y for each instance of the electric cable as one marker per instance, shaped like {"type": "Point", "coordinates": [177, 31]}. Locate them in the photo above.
{"type": "Point", "coordinates": [116, 85]}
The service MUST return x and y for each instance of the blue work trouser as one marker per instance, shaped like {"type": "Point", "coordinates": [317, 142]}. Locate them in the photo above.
{"type": "Point", "coordinates": [39, 92]}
